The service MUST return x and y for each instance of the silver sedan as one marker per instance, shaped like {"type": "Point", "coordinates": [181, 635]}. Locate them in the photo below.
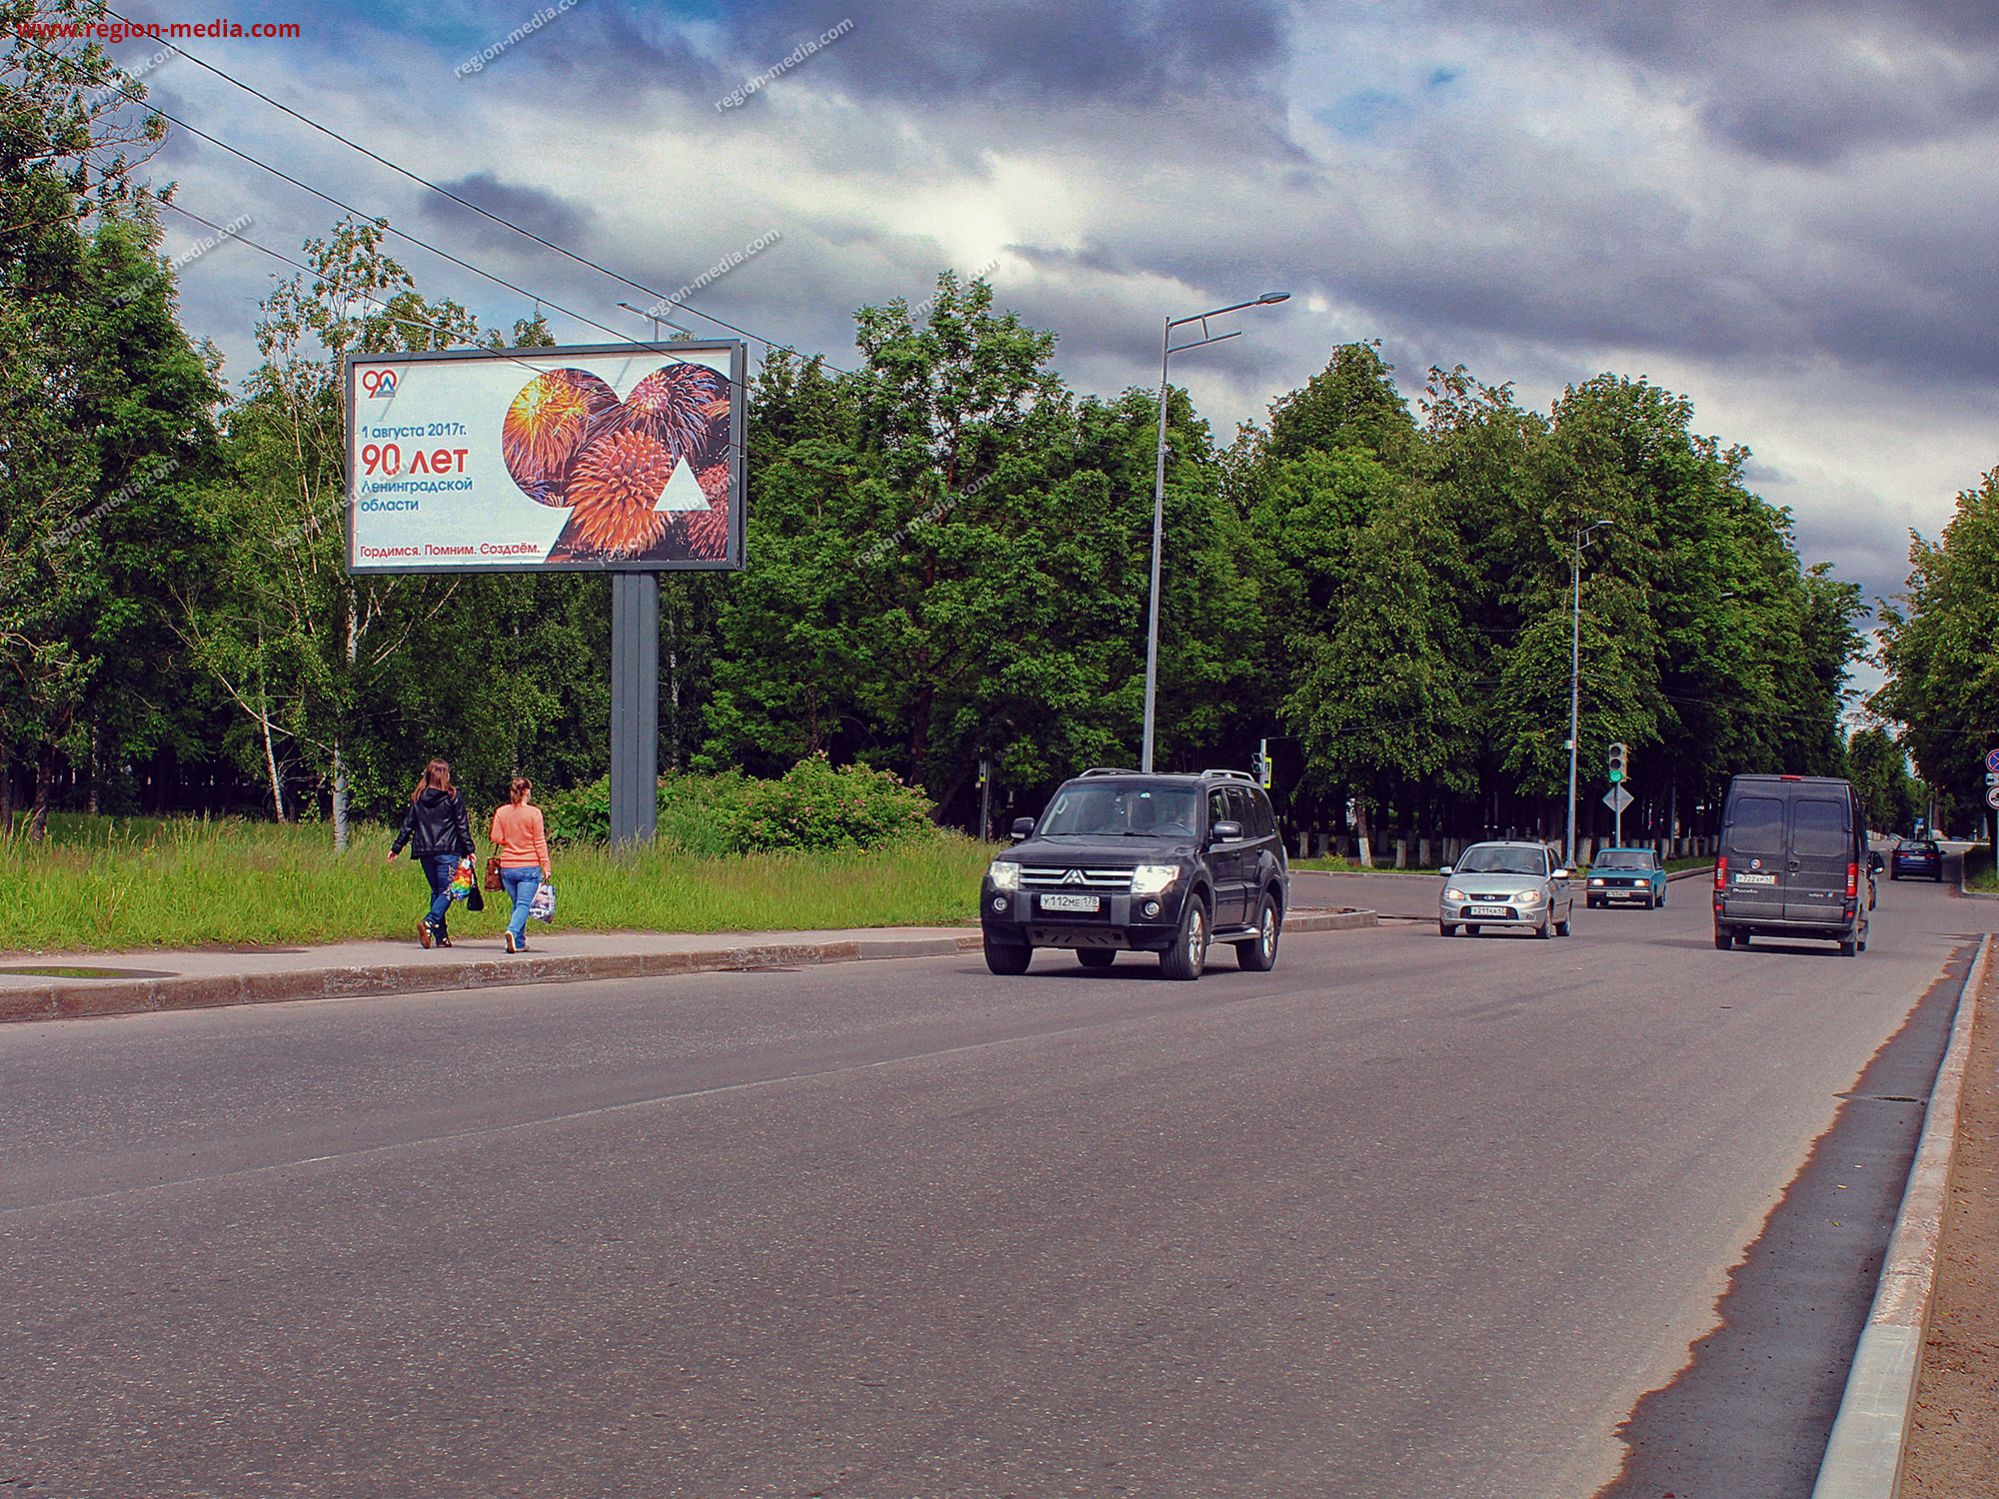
{"type": "Point", "coordinates": [1505, 885]}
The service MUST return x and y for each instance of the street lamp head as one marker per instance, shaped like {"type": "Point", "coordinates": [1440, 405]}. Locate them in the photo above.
{"type": "Point", "coordinates": [1273, 296]}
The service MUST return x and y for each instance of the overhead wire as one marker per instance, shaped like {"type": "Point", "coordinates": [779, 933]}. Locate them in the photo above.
{"type": "Point", "coordinates": [388, 228]}
{"type": "Point", "coordinates": [517, 356]}
{"type": "Point", "coordinates": [463, 202]}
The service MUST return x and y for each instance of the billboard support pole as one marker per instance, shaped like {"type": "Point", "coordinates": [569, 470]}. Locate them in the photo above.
{"type": "Point", "coordinates": [634, 706]}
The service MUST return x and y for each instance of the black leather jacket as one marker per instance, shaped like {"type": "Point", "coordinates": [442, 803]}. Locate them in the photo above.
{"type": "Point", "coordinates": [436, 823]}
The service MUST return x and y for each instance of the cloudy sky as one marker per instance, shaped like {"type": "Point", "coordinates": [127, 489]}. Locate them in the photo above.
{"type": "Point", "coordinates": [1784, 208]}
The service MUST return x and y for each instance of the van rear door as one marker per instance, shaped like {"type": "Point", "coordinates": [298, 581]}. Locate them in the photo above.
{"type": "Point", "coordinates": [1821, 848]}
{"type": "Point", "coordinates": [1754, 842]}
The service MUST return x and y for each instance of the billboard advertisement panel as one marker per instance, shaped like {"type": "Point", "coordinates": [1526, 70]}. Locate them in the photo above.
{"type": "Point", "coordinates": [605, 457]}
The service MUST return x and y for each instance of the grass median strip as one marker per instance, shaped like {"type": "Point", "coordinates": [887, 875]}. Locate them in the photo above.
{"type": "Point", "coordinates": [103, 885]}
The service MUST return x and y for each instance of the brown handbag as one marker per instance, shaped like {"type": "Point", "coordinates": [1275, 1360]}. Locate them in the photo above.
{"type": "Point", "coordinates": [492, 871]}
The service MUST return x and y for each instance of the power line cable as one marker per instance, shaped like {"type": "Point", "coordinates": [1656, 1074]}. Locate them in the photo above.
{"type": "Point", "coordinates": [404, 234]}
{"type": "Point", "coordinates": [463, 202]}
{"type": "Point", "coordinates": [515, 355]}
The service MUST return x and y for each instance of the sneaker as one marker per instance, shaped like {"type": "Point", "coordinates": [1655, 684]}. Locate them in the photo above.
{"type": "Point", "coordinates": [511, 947]}
{"type": "Point", "coordinates": [424, 934]}
{"type": "Point", "coordinates": [442, 940]}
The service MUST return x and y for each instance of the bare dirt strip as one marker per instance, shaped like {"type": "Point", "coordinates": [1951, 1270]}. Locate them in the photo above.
{"type": "Point", "coordinates": [1953, 1447]}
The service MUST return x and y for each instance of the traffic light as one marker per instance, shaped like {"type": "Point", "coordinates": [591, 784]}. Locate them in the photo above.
{"type": "Point", "coordinates": [1620, 762]}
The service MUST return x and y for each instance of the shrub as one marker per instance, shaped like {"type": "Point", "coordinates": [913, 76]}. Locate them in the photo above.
{"type": "Point", "coordinates": [812, 806]}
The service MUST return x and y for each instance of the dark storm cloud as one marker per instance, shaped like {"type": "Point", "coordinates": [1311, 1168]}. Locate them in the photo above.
{"type": "Point", "coordinates": [601, 55]}
{"type": "Point", "coordinates": [544, 212]}
{"type": "Point", "coordinates": [1031, 54]}
{"type": "Point", "coordinates": [1805, 81]}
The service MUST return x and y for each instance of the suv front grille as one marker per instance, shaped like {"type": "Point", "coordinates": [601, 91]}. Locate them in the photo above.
{"type": "Point", "coordinates": [1095, 881]}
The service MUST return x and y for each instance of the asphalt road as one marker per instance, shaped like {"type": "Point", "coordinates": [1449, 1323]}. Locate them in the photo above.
{"type": "Point", "coordinates": [1405, 1217]}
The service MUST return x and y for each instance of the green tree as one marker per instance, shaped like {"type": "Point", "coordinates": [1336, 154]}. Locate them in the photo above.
{"type": "Point", "coordinates": [1940, 647]}
{"type": "Point", "coordinates": [104, 414]}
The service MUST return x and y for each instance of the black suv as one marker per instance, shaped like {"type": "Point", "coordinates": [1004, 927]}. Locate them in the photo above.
{"type": "Point", "coordinates": [1122, 860]}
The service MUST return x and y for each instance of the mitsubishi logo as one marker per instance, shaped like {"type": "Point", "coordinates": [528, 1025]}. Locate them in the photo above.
{"type": "Point", "coordinates": [1073, 877]}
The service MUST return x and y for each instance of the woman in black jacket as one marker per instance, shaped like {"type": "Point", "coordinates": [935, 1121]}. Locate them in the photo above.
{"type": "Point", "coordinates": [439, 832]}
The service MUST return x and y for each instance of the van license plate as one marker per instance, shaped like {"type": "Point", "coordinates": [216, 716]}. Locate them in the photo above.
{"type": "Point", "coordinates": [1071, 902]}
{"type": "Point", "coordinates": [1756, 879]}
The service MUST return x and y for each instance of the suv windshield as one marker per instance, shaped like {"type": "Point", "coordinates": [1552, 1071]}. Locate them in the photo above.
{"type": "Point", "coordinates": [1493, 860]}
{"type": "Point", "coordinates": [1136, 809]}
{"type": "Point", "coordinates": [1618, 858]}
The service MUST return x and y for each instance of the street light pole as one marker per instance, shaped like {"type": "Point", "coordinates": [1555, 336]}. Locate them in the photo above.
{"type": "Point", "coordinates": [1167, 349]}
{"type": "Point", "coordinates": [655, 319]}
{"type": "Point", "coordinates": [1575, 673]}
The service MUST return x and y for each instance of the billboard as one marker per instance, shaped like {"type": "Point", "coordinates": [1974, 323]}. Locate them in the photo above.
{"type": "Point", "coordinates": [605, 457]}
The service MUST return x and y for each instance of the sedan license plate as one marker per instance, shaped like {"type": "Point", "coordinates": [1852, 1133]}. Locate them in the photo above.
{"type": "Point", "coordinates": [1488, 911]}
{"type": "Point", "coordinates": [1756, 879]}
{"type": "Point", "coordinates": [1071, 902]}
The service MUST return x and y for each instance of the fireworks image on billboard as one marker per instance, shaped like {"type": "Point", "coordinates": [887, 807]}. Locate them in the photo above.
{"type": "Point", "coordinates": [645, 479]}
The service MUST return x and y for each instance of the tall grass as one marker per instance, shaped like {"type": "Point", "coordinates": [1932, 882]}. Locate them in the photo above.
{"type": "Point", "coordinates": [100, 885]}
{"type": "Point", "coordinates": [1978, 871]}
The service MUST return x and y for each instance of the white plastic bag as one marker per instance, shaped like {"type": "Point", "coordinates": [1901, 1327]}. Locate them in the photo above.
{"type": "Point", "coordinates": [542, 907]}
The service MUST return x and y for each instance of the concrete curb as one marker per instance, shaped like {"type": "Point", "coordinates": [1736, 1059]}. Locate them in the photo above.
{"type": "Point", "coordinates": [1863, 1458]}
{"type": "Point", "coordinates": [76, 999]}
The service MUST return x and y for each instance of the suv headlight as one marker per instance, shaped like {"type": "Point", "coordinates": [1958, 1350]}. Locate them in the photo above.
{"type": "Point", "coordinates": [1530, 897]}
{"type": "Point", "coordinates": [1151, 879]}
{"type": "Point", "coordinates": [1005, 874]}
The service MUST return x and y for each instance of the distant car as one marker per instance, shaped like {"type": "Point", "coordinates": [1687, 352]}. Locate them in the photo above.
{"type": "Point", "coordinates": [1626, 874]}
{"type": "Point", "coordinates": [1506, 884]}
{"type": "Point", "coordinates": [1916, 856]}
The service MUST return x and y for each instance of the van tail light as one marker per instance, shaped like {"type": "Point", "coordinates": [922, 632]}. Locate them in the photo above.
{"type": "Point", "coordinates": [1721, 873]}
{"type": "Point", "coordinates": [1852, 881]}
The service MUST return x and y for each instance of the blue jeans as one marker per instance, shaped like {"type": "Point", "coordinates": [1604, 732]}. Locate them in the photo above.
{"type": "Point", "coordinates": [521, 885]}
{"type": "Point", "coordinates": [438, 869]}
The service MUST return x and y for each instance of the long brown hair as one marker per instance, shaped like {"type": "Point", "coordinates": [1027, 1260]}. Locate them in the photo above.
{"type": "Point", "coordinates": [438, 774]}
{"type": "Point", "coordinates": [518, 789]}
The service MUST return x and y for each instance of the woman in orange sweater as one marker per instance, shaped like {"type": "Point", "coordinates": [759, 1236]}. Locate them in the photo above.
{"type": "Point", "coordinates": [522, 839]}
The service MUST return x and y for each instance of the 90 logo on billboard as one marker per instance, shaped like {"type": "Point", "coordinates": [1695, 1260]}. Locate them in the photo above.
{"type": "Point", "coordinates": [378, 382]}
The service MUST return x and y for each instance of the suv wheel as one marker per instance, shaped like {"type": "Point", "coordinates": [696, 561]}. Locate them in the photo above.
{"type": "Point", "coordinates": [1189, 953]}
{"type": "Point", "coordinates": [1259, 954]}
{"type": "Point", "coordinates": [1008, 958]}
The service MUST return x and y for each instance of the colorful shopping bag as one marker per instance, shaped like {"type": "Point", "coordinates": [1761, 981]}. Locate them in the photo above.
{"type": "Point", "coordinates": [542, 907]}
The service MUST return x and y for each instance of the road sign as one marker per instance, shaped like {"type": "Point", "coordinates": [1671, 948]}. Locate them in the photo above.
{"type": "Point", "coordinates": [1992, 759]}
{"type": "Point", "coordinates": [1992, 798]}
{"type": "Point", "coordinates": [1617, 799]}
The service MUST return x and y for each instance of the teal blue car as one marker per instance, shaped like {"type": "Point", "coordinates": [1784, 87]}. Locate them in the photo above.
{"type": "Point", "coordinates": [1621, 874]}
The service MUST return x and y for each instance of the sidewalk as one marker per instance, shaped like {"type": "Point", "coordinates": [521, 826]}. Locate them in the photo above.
{"type": "Point", "coordinates": [44, 987]}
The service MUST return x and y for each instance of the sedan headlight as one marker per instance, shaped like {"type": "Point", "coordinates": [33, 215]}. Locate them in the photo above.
{"type": "Point", "coordinates": [1597, 882]}
{"type": "Point", "coordinates": [1453, 893]}
{"type": "Point", "coordinates": [1153, 879]}
{"type": "Point", "coordinates": [1005, 874]}
{"type": "Point", "coordinates": [1530, 897]}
